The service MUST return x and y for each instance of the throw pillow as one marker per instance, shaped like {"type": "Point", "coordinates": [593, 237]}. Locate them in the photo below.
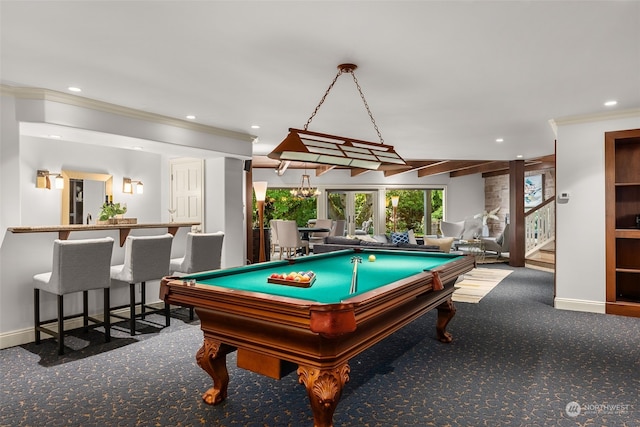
{"type": "Point", "coordinates": [399, 238]}
{"type": "Point", "coordinates": [366, 238]}
{"type": "Point", "coordinates": [382, 238]}
{"type": "Point", "coordinates": [444, 243]}
{"type": "Point", "coordinates": [412, 237]}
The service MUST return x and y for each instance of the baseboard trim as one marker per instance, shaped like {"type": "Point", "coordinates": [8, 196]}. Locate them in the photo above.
{"type": "Point", "coordinates": [579, 305]}
{"type": "Point", "coordinates": [25, 336]}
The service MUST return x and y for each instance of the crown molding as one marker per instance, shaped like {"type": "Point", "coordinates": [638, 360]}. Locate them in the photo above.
{"type": "Point", "coordinates": [79, 101]}
{"type": "Point", "coordinates": [595, 117]}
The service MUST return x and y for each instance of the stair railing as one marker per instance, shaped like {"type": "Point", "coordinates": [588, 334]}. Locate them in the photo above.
{"type": "Point", "coordinates": [540, 225]}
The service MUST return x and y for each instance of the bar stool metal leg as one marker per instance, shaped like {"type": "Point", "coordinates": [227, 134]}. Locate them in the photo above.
{"type": "Point", "coordinates": [132, 308]}
{"type": "Point", "coordinates": [85, 311]}
{"type": "Point", "coordinates": [36, 318]}
{"type": "Point", "coordinates": [107, 316]}
{"type": "Point", "coordinates": [143, 296]}
{"type": "Point", "coordinates": [60, 325]}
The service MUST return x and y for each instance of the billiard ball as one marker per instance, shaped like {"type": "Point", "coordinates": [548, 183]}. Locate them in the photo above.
{"type": "Point", "coordinates": [372, 258]}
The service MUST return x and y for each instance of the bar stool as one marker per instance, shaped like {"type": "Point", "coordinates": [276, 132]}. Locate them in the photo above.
{"type": "Point", "coordinates": [202, 253]}
{"type": "Point", "coordinates": [145, 258]}
{"type": "Point", "coordinates": [78, 266]}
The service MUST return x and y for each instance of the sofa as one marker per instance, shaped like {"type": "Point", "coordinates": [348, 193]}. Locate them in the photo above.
{"type": "Point", "coordinates": [338, 243]}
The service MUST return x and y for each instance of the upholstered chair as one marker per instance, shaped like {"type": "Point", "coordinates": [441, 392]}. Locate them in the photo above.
{"type": "Point", "coordinates": [289, 238]}
{"type": "Point", "coordinates": [273, 237]}
{"type": "Point", "coordinates": [452, 229]}
{"type": "Point", "coordinates": [338, 228]}
{"type": "Point", "coordinates": [498, 245]}
{"type": "Point", "coordinates": [366, 225]}
{"type": "Point", "coordinates": [203, 252]}
{"type": "Point", "coordinates": [145, 258]}
{"type": "Point", "coordinates": [78, 266]}
{"type": "Point", "coordinates": [318, 236]}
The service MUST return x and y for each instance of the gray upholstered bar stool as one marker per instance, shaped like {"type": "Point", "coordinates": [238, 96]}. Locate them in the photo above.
{"type": "Point", "coordinates": [145, 258]}
{"type": "Point", "coordinates": [203, 252]}
{"type": "Point", "coordinates": [78, 266]}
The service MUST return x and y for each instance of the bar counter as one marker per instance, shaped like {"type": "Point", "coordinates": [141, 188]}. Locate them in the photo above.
{"type": "Point", "coordinates": [65, 230]}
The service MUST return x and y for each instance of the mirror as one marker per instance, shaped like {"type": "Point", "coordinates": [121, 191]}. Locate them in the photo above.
{"type": "Point", "coordinates": [83, 194]}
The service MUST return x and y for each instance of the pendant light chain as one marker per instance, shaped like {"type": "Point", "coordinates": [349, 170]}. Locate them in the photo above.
{"type": "Point", "coordinates": [355, 80]}
{"type": "Point", "coordinates": [322, 100]}
{"type": "Point", "coordinates": [367, 107]}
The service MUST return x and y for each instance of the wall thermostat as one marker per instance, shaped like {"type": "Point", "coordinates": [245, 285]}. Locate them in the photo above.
{"type": "Point", "coordinates": [564, 195]}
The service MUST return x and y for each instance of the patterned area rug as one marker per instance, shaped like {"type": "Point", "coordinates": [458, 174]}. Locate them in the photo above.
{"type": "Point", "coordinates": [477, 283]}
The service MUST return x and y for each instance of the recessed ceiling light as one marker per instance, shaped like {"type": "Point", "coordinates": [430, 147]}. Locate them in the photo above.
{"type": "Point", "coordinates": [74, 89]}
{"type": "Point", "coordinates": [255, 127]}
{"type": "Point", "coordinates": [191, 117]}
{"type": "Point", "coordinates": [137, 148]}
{"type": "Point", "coordinates": [55, 136]}
{"type": "Point", "coordinates": [610, 103]}
{"type": "Point", "coordinates": [519, 156]}
{"type": "Point", "coordinates": [499, 140]}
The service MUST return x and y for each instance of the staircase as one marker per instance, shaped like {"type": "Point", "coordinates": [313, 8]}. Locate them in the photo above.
{"type": "Point", "coordinates": [543, 258]}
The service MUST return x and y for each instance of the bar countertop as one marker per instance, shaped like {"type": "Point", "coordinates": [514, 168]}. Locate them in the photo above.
{"type": "Point", "coordinates": [64, 230]}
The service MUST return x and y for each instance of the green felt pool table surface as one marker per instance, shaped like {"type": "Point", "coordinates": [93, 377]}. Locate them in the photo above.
{"type": "Point", "coordinates": [333, 273]}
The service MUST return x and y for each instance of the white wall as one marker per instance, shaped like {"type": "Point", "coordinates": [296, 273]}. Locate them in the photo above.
{"type": "Point", "coordinates": [580, 223]}
{"type": "Point", "coordinates": [224, 207]}
{"type": "Point", "coordinates": [42, 206]}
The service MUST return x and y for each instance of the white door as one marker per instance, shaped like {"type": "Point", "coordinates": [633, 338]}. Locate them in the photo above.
{"type": "Point", "coordinates": [187, 191]}
{"type": "Point", "coordinates": [353, 206]}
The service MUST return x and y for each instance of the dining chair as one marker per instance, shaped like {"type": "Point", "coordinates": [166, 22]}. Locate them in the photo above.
{"type": "Point", "coordinates": [145, 258]}
{"type": "Point", "coordinates": [289, 238]}
{"type": "Point", "coordinates": [203, 252]}
{"type": "Point", "coordinates": [78, 266]}
{"type": "Point", "coordinates": [273, 237]}
{"type": "Point", "coordinates": [338, 228]}
{"type": "Point", "coordinates": [318, 236]}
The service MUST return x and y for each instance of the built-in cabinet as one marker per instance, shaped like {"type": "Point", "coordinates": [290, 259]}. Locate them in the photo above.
{"type": "Point", "coordinates": [622, 180]}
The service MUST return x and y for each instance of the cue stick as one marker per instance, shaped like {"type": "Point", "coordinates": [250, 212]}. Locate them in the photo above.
{"type": "Point", "coordinates": [355, 260]}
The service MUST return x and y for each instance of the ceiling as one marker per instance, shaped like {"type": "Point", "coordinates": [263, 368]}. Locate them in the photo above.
{"type": "Point", "coordinates": [443, 79]}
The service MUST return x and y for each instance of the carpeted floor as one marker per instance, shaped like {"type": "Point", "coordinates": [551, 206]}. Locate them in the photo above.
{"type": "Point", "coordinates": [514, 361]}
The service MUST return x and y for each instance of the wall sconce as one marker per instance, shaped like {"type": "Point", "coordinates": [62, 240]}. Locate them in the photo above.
{"type": "Point", "coordinates": [127, 186]}
{"type": "Point", "coordinates": [43, 180]}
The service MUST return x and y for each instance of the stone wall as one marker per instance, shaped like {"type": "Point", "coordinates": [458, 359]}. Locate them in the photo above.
{"type": "Point", "coordinates": [496, 194]}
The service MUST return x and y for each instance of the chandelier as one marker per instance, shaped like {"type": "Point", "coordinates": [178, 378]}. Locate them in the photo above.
{"type": "Point", "coordinates": [305, 191]}
{"type": "Point", "coordinates": [303, 145]}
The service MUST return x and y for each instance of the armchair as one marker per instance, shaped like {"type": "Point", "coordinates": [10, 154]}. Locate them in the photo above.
{"type": "Point", "coordinates": [499, 244]}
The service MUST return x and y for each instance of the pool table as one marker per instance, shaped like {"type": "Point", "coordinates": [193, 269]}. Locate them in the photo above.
{"type": "Point", "coordinates": [317, 329]}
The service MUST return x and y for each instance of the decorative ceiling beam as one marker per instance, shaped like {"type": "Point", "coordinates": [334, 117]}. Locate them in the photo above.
{"type": "Point", "coordinates": [480, 168]}
{"type": "Point", "coordinates": [447, 166]}
{"type": "Point", "coordinates": [414, 166]}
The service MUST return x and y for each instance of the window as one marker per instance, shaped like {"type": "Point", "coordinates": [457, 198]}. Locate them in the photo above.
{"type": "Point", "coordinates": [419, 210]}
{"type": "Point", "coordinates": [279, 204]}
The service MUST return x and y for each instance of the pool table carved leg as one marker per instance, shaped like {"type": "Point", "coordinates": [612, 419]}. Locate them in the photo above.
{"type": "Point", "coordinates": [446, 311]}
{"type": "Point", "coordinates": [212, 357]}
{"type": "Point", "coordinates": [324, 387]}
